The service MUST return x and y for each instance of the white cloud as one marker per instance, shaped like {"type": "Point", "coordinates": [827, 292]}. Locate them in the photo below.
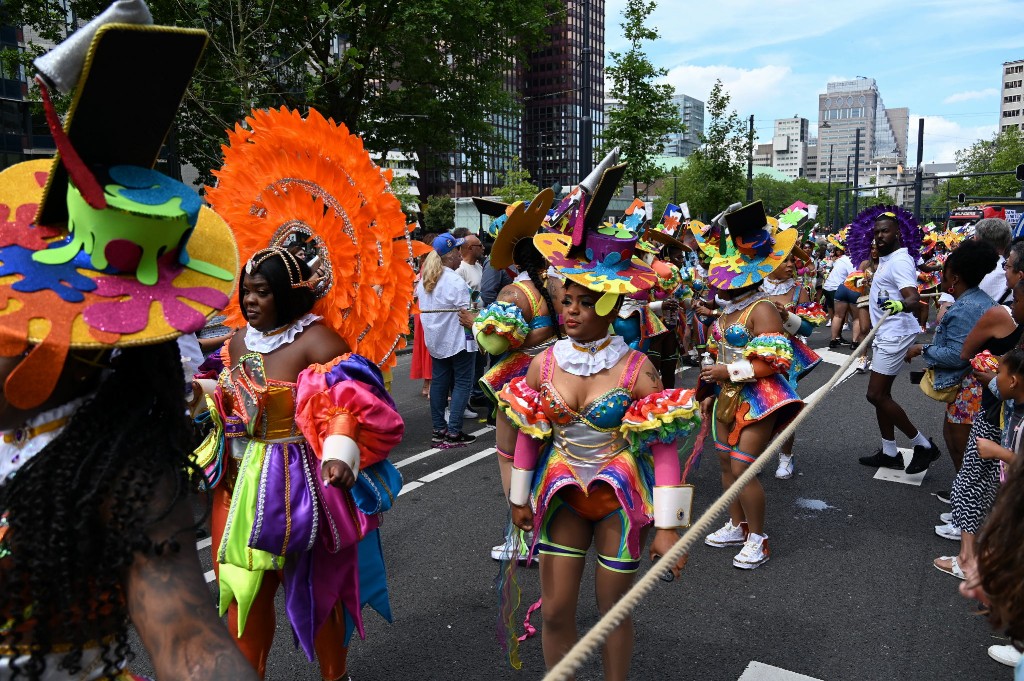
{"type": "Point", "coordinates": [943, 138]}
{"type": "Point", "coordinates": [987, 93]}
{"type": "Point", "coordinates": [748, 89]}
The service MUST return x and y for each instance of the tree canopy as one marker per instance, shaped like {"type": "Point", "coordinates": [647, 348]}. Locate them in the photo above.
{"type": "Point", "coordinates": [414, 75]}
{"type": "Point", "coordinates": [645, 113]}
{"type": "Point", "coordinates": [515, 184]}
{"type": "Point", "coordinates": [715, 177]}
{"type": "Point", "coordinates": [439, 214]}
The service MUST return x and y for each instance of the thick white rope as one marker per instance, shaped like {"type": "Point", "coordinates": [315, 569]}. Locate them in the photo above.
{"type": "Point", "coordinates": [597, 635]}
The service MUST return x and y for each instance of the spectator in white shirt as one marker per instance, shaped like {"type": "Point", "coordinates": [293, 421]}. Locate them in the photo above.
{"type": "Point", "coordinates": [894, 289]}
{"type": "Point", "coordinates": [471, 268]}
{"type": "Point", "coordinates": [840, 297]}
{"type": "Point", "coordinates": [998, 235]}
{"type": "Point", "coordinates": [444, 304]}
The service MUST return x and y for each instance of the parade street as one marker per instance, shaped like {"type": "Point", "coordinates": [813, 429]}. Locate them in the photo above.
{"type": "Point", "coordinates": [850, 591]}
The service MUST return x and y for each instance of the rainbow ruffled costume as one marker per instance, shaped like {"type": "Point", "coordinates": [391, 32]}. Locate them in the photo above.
{"type": "Point", "coordinates": [609, 440]}
{"type": "Point", "coordinates": [264, 458]}
{"type": "Point", "coordinates": [762, 396]}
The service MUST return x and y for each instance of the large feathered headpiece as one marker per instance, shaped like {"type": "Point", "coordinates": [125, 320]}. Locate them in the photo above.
{"type": "Point", "coordinates": [307, 183]}
{"type": "Point", "coordinates": [862, 231]}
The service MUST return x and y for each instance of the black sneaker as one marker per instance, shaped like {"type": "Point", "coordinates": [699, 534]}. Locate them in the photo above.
{"type": "Point", "coordinates": [838, 342]}
{"type": "Point", "coordinates": [460, 440]}
{"type": "Point", "coordinates": [880, 460]}
{"type": "Point", "coordinates": [437, 436]}
{"type": "Point", "coordinates": [923, 457]}
{"type": "Point", "coordinates": [942, 496]}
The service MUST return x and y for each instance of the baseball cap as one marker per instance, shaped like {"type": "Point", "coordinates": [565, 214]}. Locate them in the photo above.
{"type": "Point", "coordinates": [446, 243]}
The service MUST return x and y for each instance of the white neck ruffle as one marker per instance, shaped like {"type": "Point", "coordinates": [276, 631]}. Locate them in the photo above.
{"type": "Point", "coordinates": [586, 359]}
{"type": "Point", "coordinates": [778, 288]}
{"type": "Point", "coordinates": [14, 455]}
{"type": "Point", "coordinates": [257, 341]}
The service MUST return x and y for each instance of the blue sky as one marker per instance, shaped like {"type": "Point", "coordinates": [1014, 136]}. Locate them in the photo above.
{"type": "Point", "coordinates": [941, 58]}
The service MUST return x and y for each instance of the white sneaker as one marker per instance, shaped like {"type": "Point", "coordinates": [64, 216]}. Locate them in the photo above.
{"type": "Point", "coordinates": [785, 469]}
{"type": "Point", "coordinates": [507, 550]}
{"type": "Point", "coordinates": [468, 414]}
{"type": "Point", "coordinates": [862, 365]}
{"type": "Point", "coordinates": [753, 554]}
{"type": "Point", "coordinates": [1007, 655]}
{"type": "Point", "coordinates": [946, 518]}
{"type": "Point", "coordinates": [728, 535]}
{"type": "Point", "coordinates": [948, 531]}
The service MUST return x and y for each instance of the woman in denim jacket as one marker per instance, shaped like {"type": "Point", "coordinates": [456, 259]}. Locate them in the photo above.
{"type": "Point", "coordinates": [963, 271]}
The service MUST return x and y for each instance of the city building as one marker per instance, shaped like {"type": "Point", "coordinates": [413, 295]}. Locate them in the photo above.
{"type": "Point", "coordinates": [1011, 111]}
{"type": "Point", "coordinates": [556, 95]}
{"type": "Point", "coordinates": [789, 146]}
{"type": "Point", "coordinates": [691, 113]}
{"type": "Point", "coordinates": [403, 165]}
{"type": "Point", "coordinates": [24, 136]}
{"type": "Point", "coordinates": [811, 165]}
{"type": "Point", "coordinates": [763, 155]}
{"type": "Point", "coordinates": [845, 108]}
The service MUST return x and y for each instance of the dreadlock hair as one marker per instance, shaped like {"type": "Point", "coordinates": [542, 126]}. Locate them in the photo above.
{"type": "Point", "coordinates": [528, 259]}
{"type": "Point", "coordinates": [81, 510]}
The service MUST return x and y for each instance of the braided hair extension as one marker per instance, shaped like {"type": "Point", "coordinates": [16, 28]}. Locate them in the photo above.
{"type": "Point", "coordinates": [81, 509]}
{"type": "Point", "coordinates": [528, 259]}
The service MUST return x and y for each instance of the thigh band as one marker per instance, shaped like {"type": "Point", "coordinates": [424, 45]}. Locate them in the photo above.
{"type": "Point", "coordinates": [505, 455]}
{"type": "Point", "coordinates": [545, 545]}
{"type": "Point", "coordinates": [742, 457]}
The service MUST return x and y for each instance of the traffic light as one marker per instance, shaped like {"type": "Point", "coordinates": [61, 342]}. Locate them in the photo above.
{"type": "Point", "coordinates": [1020, 172]}
{"type": "Point", "coordinates": [961, 198]}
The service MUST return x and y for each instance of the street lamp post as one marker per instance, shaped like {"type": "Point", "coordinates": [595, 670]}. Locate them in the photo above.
{"type": "Point", "coordinates": [856, 173]}
{"type": "Point", "coordinates": [828, 191]}
{"type": "Point", "coordinates": [846, 207]}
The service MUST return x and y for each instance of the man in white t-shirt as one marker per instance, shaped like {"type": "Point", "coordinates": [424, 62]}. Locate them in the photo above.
{"type": "Point", "coordinates": [997, 234]}
{"type": "Point", "coordinates": [471, 268]}
{"type": "Point", "coordinates": [894, 289]}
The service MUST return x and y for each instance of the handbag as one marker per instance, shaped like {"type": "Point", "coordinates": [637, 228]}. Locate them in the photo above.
{"type": "Point", "coordinates": [376, 487]}
{"type": "Point", "coordinates": [728, 401]}
{"type": "Point", "coordinates": [928, 388]}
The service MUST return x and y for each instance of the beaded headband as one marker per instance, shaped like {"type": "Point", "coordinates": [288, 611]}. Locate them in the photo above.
{"type": "Point", "coordinates": [291, 266]}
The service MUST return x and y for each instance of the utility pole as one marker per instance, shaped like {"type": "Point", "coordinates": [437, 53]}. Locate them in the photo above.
{"type": "Point", "coordinates": [828, 191]}
{"type": "Point", "coordinates": [586, 122]}
{"type": "Point", "coordinates": [750, 161]}
{"type": "Point", "coordinates": [846, 209]}
{"type": "Point", "coordinates": [856, 173]}
{"type": "Point", "coordinates": [918, 172]}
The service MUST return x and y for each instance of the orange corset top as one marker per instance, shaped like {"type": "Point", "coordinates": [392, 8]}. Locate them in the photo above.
{"type": "Point", "coordinates": [265, 406]}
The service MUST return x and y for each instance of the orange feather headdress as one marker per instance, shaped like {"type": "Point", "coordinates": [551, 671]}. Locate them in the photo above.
{"type": "Point", "coordinates": [285, 174]}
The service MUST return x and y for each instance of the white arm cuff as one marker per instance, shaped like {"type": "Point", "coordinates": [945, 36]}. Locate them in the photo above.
{"type": "Point", "coordinates": [519, 490]}
{"type": "Point", "coordinates": [672, 507]}
{"type": "Point", "coordinates": [741, 371]}
{"type": "Point", "coordinates": [793, 323]}
{"type": "Point", "coordinates": [656, 306]}
{"type": "Point", "coordinates": [342, 448]}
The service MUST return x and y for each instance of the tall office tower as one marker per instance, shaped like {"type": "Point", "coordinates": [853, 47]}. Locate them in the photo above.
{"type": "Point", "coordinates": [1011, 111]}
{"type": "Point", "coordinates": [789, 146]}
{"type": "Point", "coordinates": [847, 106]}
{"type": "Point", "coordinates": [556, 95]}
{"type": "Point", "coordinates": [691, 113]}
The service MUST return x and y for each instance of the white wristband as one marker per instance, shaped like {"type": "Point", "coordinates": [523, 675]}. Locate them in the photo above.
{"type": "Point", "coordinates": [793, 322]}
{"type": "Point", "coordinates": [741, 371]}
{"type": "Point", "coordinates": [672, 507]}
{"type": "Point", "coordinates": [519, 490]}
{"type": "Point", "coordinates": [656, 306]}
{"type": "Point", "coordinates": [341, 448]}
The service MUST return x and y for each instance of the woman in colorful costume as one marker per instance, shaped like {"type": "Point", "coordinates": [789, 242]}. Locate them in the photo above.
{"type": "Point", "coordinates": [304, 424]}
{"type": "Point", "coordinates": [665, 296]}
{"type": "Point", "coordinates": [799, 319]}
{"type": "Point", "coordinates": [512, 327]}
{"type": "Point", "coordinates": [753, 358]}
{"type": "Point", "coordinates": [595, 461]}
{"type": "Point", "coordinates": [97, 533]}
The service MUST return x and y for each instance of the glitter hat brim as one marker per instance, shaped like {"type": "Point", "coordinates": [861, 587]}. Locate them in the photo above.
{"type": "Point", "coordinates": [737, 270]}
{"type": "Point", "coordinates": [626, 278]}
{"type": "Point", "coordinates": [523, 222]}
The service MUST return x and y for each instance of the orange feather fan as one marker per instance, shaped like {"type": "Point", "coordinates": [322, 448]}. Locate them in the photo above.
{"type": "Point", "coordinates": [284, 169]}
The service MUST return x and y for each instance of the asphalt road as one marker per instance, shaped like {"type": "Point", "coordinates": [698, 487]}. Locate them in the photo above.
{"type": "Point", "coordinates": [850, 591]}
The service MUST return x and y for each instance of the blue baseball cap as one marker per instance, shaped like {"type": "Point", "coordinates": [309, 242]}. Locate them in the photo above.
{"type": "Point", "coordinates": [446, 243]}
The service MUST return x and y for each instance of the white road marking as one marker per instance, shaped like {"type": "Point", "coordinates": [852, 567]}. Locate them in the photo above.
{"type": "Point", "coordinates": [890, 475]}
{"type": "Point", "coordinates": [759, 671]}
{"type": "Point", "coordinates": [410, 486]}
{"type": "Point", "coordinates": [430, 452]}
{"type": "Point", "coordinates": [452, 467]}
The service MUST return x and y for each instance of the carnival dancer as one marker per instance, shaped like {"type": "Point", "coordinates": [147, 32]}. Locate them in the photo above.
{"type": "Point", "coordinates": [303, 423]}
{"type": "Point", "coordinates": [800, 317]}
{"type": "Point", "coordinates": [665, 296]}
{"type": "Point", "coordinates": [753, 356]}
{"type": "Point", "coordinates": [594, 460]}
{"type": "Point", "coordinates": [97, 533]}
{"type": "Point", "coordinates": [511, 328]}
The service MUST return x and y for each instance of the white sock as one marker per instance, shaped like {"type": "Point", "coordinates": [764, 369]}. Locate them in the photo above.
{"type": "Point", "coordinates": [920, 440]}
{"type": "Point", "coordinates": [889, 447]}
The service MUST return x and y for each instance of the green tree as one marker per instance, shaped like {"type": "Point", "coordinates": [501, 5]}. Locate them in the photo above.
{"type": "Point", "coordinates": [439, 214]}
{"type": "Point", "coordinates": [715, 170]}
{"type": "Point", "coordinates": [414, 75]}
{"type": "Point", "coordinates": [646, 113]}
{"type": "Point", "coordinates": [515, 184]}
{"type": "Point", "coordinates": [402, 189]}
{"type": "Point", "coordinates": [1003, 152]}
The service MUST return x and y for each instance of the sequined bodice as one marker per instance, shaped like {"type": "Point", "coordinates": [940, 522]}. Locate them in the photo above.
{"type": "Point", "coordinates": [265, 406]}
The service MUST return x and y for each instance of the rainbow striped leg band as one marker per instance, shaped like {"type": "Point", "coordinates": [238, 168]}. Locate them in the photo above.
{"type": "Point", "coordinates": [673, 506]}
{"type": "Point", "coordinates": [519, 490]}
{"type": "Point", "coordinates": [742, 457]}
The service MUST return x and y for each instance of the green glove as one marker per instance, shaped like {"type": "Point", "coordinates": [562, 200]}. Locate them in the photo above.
{"type": "Point", "coordinates": [892, 305]}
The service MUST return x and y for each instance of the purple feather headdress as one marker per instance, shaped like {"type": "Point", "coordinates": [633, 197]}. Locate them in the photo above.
{"type": "Point", "coordinates": [862, 232]}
